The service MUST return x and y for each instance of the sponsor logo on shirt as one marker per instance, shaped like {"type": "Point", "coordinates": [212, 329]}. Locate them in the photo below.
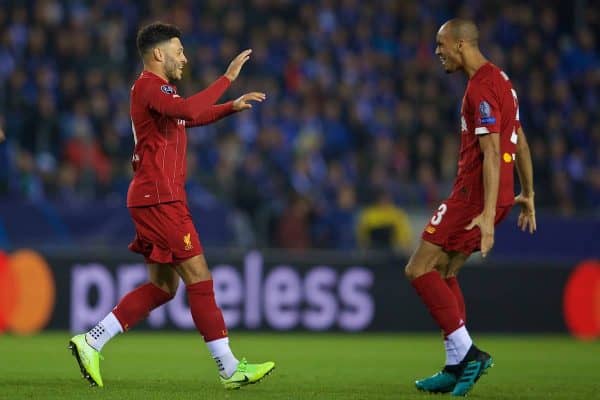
{"type": "Point", "coordinates": [167, 89]}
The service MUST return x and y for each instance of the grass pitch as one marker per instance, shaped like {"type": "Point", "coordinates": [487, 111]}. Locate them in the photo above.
{"type": "Point", "coordinates": [309, 366]}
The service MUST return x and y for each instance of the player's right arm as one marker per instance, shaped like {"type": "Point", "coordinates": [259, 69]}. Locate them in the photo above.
{"type": "Point", "coordinates": [159, 98]}
{"type": "Point", "coordinates": [167, 103]}
{"type": "Point", "coordinates": [525, 171]}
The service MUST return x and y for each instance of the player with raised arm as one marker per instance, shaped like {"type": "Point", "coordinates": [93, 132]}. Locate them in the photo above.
{"type": "Point", "coordinates": [492, 141]}
{"type": "Point", "coordinates": [165, 233]}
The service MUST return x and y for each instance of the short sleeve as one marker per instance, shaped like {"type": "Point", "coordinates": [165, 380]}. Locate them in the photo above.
{"type": "Point", "coordinates": [517, 119]}
{"type": "Point", "coordinates": [487, 116]}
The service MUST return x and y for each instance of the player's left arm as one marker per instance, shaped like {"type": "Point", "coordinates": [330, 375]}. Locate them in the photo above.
{"type": "Point", "coordinates": [219, 111]}
{"type": "Point", "coordinates": [212, 114]}
{"type": "Point", "coordinates": [490, 147]}
{"type": "Point", "coordinates": [487, 128]}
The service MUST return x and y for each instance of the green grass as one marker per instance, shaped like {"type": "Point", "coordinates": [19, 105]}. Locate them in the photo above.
{"type": "Point", "coordinates": [309, 366]}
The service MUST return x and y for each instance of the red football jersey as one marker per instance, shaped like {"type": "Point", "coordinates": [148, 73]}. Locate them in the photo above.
{"type": "Point", "coordinates": [490, 106]}
{"type": "Point", "coordinates": [158, 120]}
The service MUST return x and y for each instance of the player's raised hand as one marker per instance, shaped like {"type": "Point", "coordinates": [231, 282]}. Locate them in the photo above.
{"type": "Point", "coordinates": [486, 226]}
{"type": "Point", "coordinates": [527, 215]}
{"type": "Point", "coordinates": [235, 66]}
{"type": "Point", "coordinates": [243, 102]}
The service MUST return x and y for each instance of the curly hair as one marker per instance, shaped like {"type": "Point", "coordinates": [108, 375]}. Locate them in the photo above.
{"type": "Point", "coordinates": [151, 35]}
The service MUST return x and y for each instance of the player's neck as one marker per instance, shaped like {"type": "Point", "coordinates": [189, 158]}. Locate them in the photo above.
{"type": "Point", "coordinates": [156, 70]}
{"type": "Point", "coordinates": [473, 62]}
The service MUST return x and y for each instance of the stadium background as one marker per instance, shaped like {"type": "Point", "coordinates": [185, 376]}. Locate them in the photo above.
{"type": "Point", "coordinates": [361, 125]}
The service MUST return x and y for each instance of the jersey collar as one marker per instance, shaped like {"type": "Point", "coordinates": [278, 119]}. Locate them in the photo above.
{"type": "Point", "coordinates": [482, 68]}
{"type": "Point", "coordinates": [153, 75]}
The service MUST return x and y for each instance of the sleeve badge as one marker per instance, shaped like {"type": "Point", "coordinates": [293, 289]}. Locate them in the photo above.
{"type": "Point", "coordinates": [167, 89]}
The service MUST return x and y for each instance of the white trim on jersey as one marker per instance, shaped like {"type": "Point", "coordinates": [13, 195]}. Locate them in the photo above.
{"type": "Point", "coordinates": [481, 130]}
{"type": "Point", "coordinates": [176, 154]}
{"type": "Point", "coordinates": [514, 93]}
{"type": "Point", "coordinates": [134, 133]}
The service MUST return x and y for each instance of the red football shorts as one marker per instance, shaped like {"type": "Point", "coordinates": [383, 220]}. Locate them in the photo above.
{"type": "Point", "coordinates": [164, 233]}
{"type": "Point", "coordinates": [447, 226]}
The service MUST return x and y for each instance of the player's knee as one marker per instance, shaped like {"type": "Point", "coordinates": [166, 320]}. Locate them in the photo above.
{"type": "Point", "coordinates": [410, 271]}
{"type": "Point", "coordinates": [194, 270]}
{"type": "Point", "coordinates": [413, 270]}
{"type": "Point", "coordinates": [450, 274]}
{"type": "Point", "coordinates": [172, 289]}
{"type": "Point", "coordinates": [168, 287]}
{"type": "Point", "coordinates": [197, 275]}
{"type": "Point", "coordinates": [444, 271]}
{"type": "Point", "coordinates": [453, 269]}
{"type": "Point", "coordinates": [441, 269]}
{"type": "Point", "coordinates": [194, 275]}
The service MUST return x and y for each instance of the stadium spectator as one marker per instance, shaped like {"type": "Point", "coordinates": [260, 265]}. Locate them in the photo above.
{"type": "Point", "coordinates": [383, 225]}
{"type": "Point", "coordinates": [349, 83]}
{"type": "Point", "coordinates": [293, 230]}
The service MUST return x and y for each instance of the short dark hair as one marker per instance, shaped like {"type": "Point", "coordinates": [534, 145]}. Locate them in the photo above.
{"type": "Point", "coordinates": [151, 35]}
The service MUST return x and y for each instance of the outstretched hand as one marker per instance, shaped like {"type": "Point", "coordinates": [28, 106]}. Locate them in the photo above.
{"type": "Point", "coordinates": [526, 219]}
{"type": "Point", "coordinates": [243, 102]}
{"type": "Point", "coordinates": [486, 226]}
{"type": "Point", "coordinates": [236, 65]}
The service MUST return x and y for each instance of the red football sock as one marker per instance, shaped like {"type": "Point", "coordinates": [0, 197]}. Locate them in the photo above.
{"type": "Point", "coordinates": [439, 300]}
{"type": "Point", "coordinates": [137, 304]}
{"type": "Point", "coordinates": [206, 314]}
{"type": "Point", "coordinates": [452, 283]}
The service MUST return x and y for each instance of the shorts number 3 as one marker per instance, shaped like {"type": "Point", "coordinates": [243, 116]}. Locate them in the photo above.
{"type": "Point", "coordinates": [437, 218]}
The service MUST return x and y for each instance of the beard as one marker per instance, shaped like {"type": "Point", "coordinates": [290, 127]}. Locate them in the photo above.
{"type": "Point", "coordinates": [171, 70]}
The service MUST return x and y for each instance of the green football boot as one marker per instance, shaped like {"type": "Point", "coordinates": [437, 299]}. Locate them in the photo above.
{"type": "Point", "coordinates": [88, 359]}
{"type": "Point", "coordinates": [247, 374]}
{"type": "Point", "coordinates": [442, 382]}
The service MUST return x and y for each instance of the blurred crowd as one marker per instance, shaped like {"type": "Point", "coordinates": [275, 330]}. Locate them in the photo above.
{"type": "Point", "coordinates": [360, 117]}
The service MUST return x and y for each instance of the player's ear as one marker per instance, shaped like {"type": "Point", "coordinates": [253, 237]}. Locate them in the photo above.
{"type": "Point", "coordinates": [157, 54]}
